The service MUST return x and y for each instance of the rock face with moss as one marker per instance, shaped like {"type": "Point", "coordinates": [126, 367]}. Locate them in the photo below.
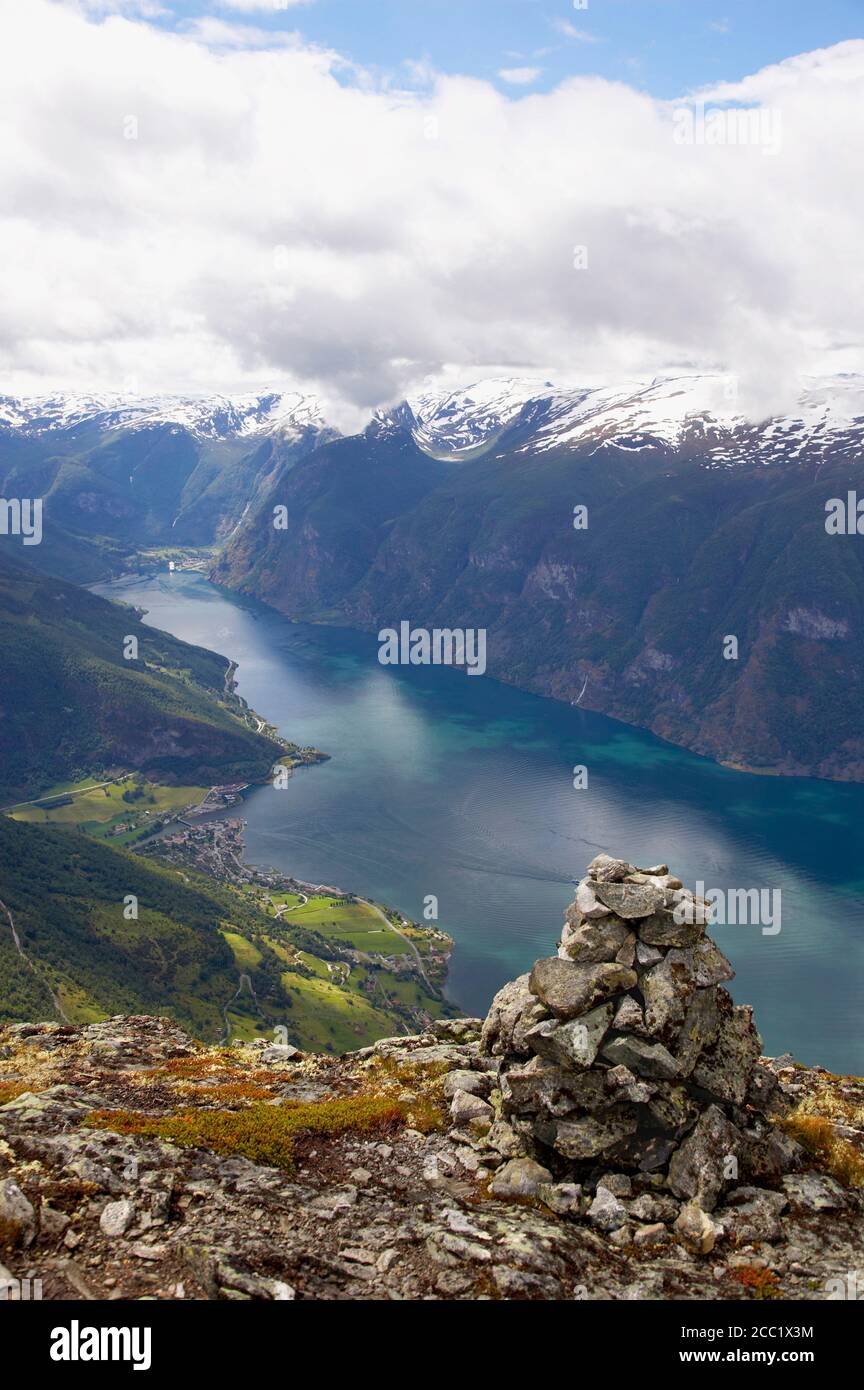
{"type": "Point", "coordinates": [610, 1131]}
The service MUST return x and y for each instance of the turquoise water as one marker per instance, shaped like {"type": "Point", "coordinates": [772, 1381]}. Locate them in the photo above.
{"type": "Point", "coordinates": [458, 787]}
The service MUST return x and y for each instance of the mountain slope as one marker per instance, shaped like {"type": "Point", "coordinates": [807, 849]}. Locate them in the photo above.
{"type": "Point", "coordinates": [66, 896]}
{"type": "Point", "coordinates": [148, 471]}
{"type": "Point", "coordinates": [207, 417]}
{"type": "Point", "coordinates": [340, 502]}
{"type": "Point", "coordinates": [198, 950]}
{"type": "Point", "coordinates": [71, 704]}
{"type": "Point", "coordinates": [697, 413]}
{"type": "Point", "coordinates": [701, 527]}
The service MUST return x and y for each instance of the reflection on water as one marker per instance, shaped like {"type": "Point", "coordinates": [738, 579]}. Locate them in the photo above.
{"type": "Point", "coordinates": [463, 789]}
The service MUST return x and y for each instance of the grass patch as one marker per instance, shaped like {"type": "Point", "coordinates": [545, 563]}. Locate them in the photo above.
{"type": "Point", "coordinates": [315, 964]}
{"type": "Point", "coordinates": [352, 924]}
{"type": "Point", "coordinates": [283, 900]}
{"type": "Point", "coordinates": [834, 1155]}
{"type": "Point", "coordinates": [330, 1019]}
{"type": "Point", "coordinates": [11, 1090]}
{"type": "Point", "coordinates": [262, 1133]}
{"type": "Point", "coordinates": [216, 1081]}
{"type": "Point", "coordinates": [424, 1106]}
{"type": "Point", "coordinates": [246, 954]}
{"type": "Point", "coordinates": [100, 811]}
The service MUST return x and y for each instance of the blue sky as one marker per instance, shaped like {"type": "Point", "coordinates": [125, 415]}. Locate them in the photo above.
{"type": "Point", "coordinates": [664, 47]}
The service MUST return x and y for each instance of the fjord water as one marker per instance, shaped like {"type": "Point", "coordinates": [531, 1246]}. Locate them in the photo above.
{"type": "Point", "coordinates": [459, 787]}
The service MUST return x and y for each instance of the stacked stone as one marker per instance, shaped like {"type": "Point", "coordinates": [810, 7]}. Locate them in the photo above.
{"type": "Point", "coordinates": [624, 1053]}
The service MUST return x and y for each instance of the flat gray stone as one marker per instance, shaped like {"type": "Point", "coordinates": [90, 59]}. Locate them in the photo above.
{"type": "Point", "coordinates": [640, 1056]}
{"type": "Point", "coordinates": [575, 1043]}
{"type": "Point", "coordinates": [630, 900]}
{"type": "Point", "coordinates": [701, 1166]}
{"type": "Point", "coordinates": [606, 1212]}
{"type": "Point", "coordinates": [663, 929]}
{"type": "Point", "coordinates": [17, 1214]}
{"type": "Point", "coordinates": [593, 1135]}
{"type": "Point", "coordinates": [604, 869]}
{"type": "Point", "coordinates": [117, 1217]}
{"type": "Point", "coordinates": [815, 1192]}
{"type": "Point", "coordinates": [521, 1177]}
{"type": "Point", "coordinates": [595, 941]}
{"type": "Point", "coordinates": [469, 1109]}
{"type": "Point", "coordinates": [568, 990]}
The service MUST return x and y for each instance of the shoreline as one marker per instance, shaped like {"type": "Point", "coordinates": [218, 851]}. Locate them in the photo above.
{"type": "Point", "coordinates": [235, 870]}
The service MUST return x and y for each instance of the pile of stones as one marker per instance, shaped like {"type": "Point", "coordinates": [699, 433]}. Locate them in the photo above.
{"type": "Point", "coordinates": [620, 1071]}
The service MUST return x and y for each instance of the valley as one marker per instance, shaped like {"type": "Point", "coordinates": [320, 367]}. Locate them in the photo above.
{"type": "Point", "coordinates": [189, 932]}
{"type": "Point", "coordinates": [457, 796]}
{"type": "Point", "coordinates": [115, 736]}
{"type": "Point", "coordinates": [452, 511]}
{"type": "Point", "coordinates": [700, 524]}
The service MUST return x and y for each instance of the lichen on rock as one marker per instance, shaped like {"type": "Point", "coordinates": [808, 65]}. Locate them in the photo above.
{"type": "Point", "coordinates": [609, 1131]}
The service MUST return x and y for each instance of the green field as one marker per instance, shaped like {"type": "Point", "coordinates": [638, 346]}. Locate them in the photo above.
{"type": "Point", "coordinates": [246, 1028]}
{"type": "Point", "coordinates": [184, 953]}
{"type": "Point", "coordinates": [407, 991]}
{"type": "Point", "coordinates": [352, 924]}
{"type": "Point", "coordinates": [331, 1019]}
{"type": "Point", "coordinates": [246, 953]}
{"type": "Point", "coordinates": [99, 810]}
{"type": "Point", "coordinates": [284, 900]}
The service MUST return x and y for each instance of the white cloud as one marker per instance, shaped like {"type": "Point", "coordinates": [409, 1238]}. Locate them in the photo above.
{"type": "Point", "coordinates": [519, 77]}
{"type": "Point", "coordinates": [247, 6]}
{"type": "Point", "coordinates": [223, 33]}
{"type": "Point", "coordinates": [144, 9]}
{"type": "Point", "coordinates": [570, 31]}
{"type": "Point", "coordinates": [282, 220]}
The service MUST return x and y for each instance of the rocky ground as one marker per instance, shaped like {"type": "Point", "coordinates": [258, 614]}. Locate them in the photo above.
{"type": "Point", "coordinates": [406, 1210]}
{"type": "Point", "coordinates": [609, 1131]}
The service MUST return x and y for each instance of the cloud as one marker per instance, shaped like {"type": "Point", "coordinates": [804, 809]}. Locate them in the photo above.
{"type": "Point", "coordinates": [248, 6]}
{"type": "Point", "coordinates": [519, 77]}
{"type": "Point", "coordinates": [197, 215]}
{"type": "Point", "coordinates": [719, 26]}
{"type": "Point", "coordinates": [145, 9]}
{"type": "Point", "coordinates": [220, 33]}
{"type": "Point", "coordinates": [570, 31]}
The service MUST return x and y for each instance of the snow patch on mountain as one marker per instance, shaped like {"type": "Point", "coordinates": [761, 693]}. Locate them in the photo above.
{"type": "Point", "coordinates": [206, 417]}
{"type": "Point", "coordinates": [497, 414]}
{"type": "Point", "coordinates": [702, 411]}
{"type": "Point", "coordinates": [458, 422]}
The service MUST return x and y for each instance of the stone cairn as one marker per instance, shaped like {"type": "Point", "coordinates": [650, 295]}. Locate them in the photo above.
{"type": "Point", "coordinates": [622, 1068]}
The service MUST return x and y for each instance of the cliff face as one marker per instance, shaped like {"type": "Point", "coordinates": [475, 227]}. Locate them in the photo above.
{"type": "Point", "coordinates": [678, 554]}
{"type": "Point", "coordinates": [337, 514]}
{"type": "Point", "coordinates": [608, 1132]}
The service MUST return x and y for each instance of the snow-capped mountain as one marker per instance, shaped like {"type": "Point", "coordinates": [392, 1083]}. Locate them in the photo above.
{"type": "Point", "coordinates": [152, 470]}
{"type": "Point", "coordinates": [704, 523]}
{"type": "Point", "coordinates": [503, 414]}
{"type": "Point", "coordinates": [206, 417]}
{"type": "Point", "coordinates": [459, 422]}
{"type": "Point", "coordinates": [518, 415]}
